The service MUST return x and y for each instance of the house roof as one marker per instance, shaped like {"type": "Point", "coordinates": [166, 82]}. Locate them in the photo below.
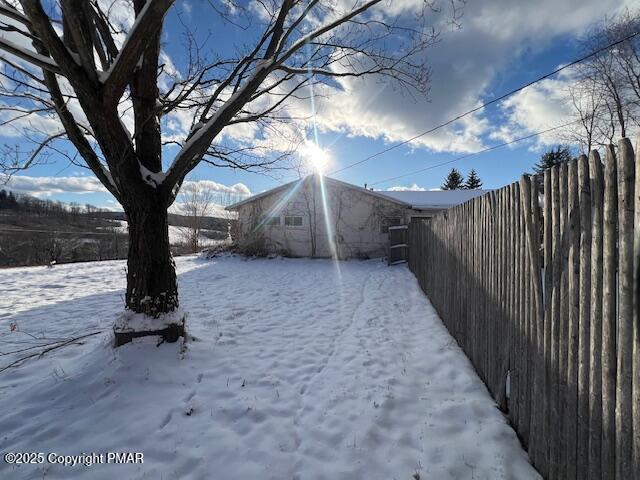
{"type": "Point", "coordinates": [290, 185]}
{"type": "Point", "coordinates": [433, 199]}
{"type": "Point", "coordinates": [253, 198]}
{"type": "Point", "coordinates": [437, 199]}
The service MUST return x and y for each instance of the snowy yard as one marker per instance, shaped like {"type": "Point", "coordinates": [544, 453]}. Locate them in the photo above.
{"type": "Point", "coordinates": [297, 371]}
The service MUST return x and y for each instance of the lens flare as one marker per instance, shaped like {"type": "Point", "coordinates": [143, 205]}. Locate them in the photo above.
{"type": "Point", "coordinates": [317, 158]}
{"type": "Point", "coordinates": [279, 205]}
{"type": "Point", "coordinates": [327, 219]}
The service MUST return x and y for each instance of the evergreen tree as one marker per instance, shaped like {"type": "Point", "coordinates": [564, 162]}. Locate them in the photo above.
{"type": "Point", "coordinates": [473, 181]}
{"type": "Point", "coordinates": [556, 156]}
{"type": "Point", "coordinates": [454, 181]}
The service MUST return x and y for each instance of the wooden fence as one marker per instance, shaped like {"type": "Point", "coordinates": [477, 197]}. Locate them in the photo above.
{"type": "Point", "coordinates": [536, 283]}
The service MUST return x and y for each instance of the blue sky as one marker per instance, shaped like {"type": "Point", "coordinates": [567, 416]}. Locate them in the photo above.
{"type": "Point", "coordinates": [501, 44]}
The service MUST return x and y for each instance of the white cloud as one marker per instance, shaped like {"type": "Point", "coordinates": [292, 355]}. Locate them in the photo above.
{"type": "Point", "coordinates": [540, 107]}
{"type": "Point", "coordinates": [46, 186]}
{"type": "Point", "coordinates": [464, 65]}
{"type": "Point", "coordinates": [236, 189]}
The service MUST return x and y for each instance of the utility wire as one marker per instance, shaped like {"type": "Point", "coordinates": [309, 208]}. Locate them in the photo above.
{"type": "Point", "coordinates": [431, 167]}
{"type": "Point", "coordinates": [490, 102]}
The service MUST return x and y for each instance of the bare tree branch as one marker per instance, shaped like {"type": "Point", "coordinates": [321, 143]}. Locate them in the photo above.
{"type": "Point", "coordinates": [148, 23]}
{"type": "Point", "coordinates": [31, 57]}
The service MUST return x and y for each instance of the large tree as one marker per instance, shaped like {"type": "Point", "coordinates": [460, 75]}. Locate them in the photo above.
{"type": "Point", "coordinates": [87, 70]}
{"type": "Point", "coordinates": [604, 90]}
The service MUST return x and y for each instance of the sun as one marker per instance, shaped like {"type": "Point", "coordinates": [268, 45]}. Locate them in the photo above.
{"type": "Point", "coordinates": [314, 156]}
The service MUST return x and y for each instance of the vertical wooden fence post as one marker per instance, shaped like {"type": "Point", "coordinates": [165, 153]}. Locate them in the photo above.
{"type": "Point", "coordinates": [529, 194]}
{"type": "Point", "coordinates": [548, 302]}
{"type": "Point", "coordinates": [510, 303]}
{"type": "Point", "coordinates": [563, 351]}
{"type": "Point", "coordinates": [609, 313]}
{"type": "Point", "coordinates": [636, 318]}
{"type": "Point", "coordinates": [554, 418]}
{"type": "Point", "coordinates": [538, 305]}
{"type": "Point", "coordinates": [525, 395]}
{"type": "Point", "coordinates": [624, 411]}
{"type": "Point", "coordinates": [517, 312]}
{"type": "Point", "coordinates": [595, 359]}
{"type": "Point", "coordinates": [584, 316]}
{"type": "Point", "coordinates": [571, 405]}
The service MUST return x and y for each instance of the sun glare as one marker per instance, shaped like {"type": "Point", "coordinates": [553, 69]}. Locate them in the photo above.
{"type": "Point", "coordinates": [315, 156]}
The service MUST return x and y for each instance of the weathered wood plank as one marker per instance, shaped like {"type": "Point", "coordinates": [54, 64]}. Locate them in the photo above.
{"type": "Point", "coordinates": [609, 312]}
{"type": "Point", "coordinates": [525, 392]}
{"type": "Point", "coordinates": [548, 301]}
{"type": "Point", "coordinates": [584, 314]}
{"type": "Point", "coordinates": [636, 317]}
{"type": "Point", "coordinates": [502, 330]}
{"type": "Point", "coordinates": [573, 237]}
{"type": "Point", "coordinates": [517, 312]}
{"type": "Point", "coordinates": [595, 332]}
{"type": "Point", "coordinates": [525, 341]}
{"type": "Point", "coordinates": [554, 417]}
{"type": "Point", "coordinates": [538, 318]}
{"type": "Point", "coordinates": [510, 318]}
{"type": "Point", "coordinates": [624, 410]}
{"type": "Point", "coordinates": [564, 315]}
{"type": "Point", "coordinates": [476, 279]}
{"type": "Point", "coordinates": [537, 326]}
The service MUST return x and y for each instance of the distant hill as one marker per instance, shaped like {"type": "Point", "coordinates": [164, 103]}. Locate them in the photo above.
{"type": "Point", "coordinates": [209, 223]}
{"type": "Point", "coordinates": [37, 231]}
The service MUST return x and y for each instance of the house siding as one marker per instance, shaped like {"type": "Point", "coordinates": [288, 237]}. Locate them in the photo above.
{"type": "Point", "coordinates": [354, 222]}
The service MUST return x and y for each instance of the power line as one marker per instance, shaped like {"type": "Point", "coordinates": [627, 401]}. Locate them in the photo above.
{"type": "Point", "coordinates": [490, 102]}
{"type": "Point", "coordinates": [431, 167]}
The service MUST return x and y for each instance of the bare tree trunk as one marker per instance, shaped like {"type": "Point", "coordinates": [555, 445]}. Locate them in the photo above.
{"type": "Point", "coordinates": [151, 276]}
{"type": "Point", "coordinates": [152, 288]}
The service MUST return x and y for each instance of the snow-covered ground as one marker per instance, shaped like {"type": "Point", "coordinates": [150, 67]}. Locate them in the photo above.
{"type": "Point", "coordinates": [298, 370]}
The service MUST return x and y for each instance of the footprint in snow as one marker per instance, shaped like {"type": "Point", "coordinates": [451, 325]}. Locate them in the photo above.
{"type": "Point", "coordinates": [166, 421]}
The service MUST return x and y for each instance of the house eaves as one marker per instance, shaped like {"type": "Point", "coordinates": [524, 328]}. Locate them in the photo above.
{"type": "Point", "coordinates": [291, 185]}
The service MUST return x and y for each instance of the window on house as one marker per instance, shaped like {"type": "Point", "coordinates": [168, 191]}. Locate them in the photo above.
{"type": "Point", "coordinates": [386, 223]}
{"type": "Point", "coordinates": [272, 221]}
{"type": "Point", "coordinates": [293, 221]}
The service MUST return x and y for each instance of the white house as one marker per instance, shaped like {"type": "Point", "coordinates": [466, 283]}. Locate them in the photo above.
{"type": "Point", "coordinates": [319, 216]}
